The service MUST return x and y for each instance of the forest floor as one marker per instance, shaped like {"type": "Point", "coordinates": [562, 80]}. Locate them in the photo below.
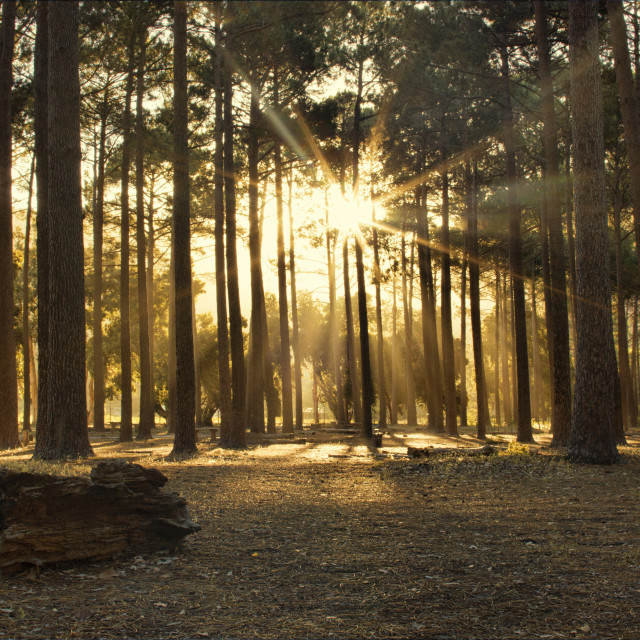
{"type": "Point", "coordinates": [329, 539]}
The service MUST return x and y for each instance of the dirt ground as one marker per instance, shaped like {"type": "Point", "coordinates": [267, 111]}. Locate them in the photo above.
{"type": "Point", "coordinates": [329, 539]}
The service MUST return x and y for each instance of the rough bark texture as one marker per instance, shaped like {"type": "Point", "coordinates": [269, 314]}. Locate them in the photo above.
{"type": "Point", "coordinates": [185, 431]}
{"type": "Point", "coordinates": [428, 308]}
{"type": "Point", "coordinates": [283, 306]}
{"type": "Point", "coordinates": [351, 339]}
{"type": "Point", "coordinates": [525, 433]}
{"type": "Point", "coordinates": [40, 90]}
{"type": "Point", "coordinates": [559, 342]}
{"type": "Point", "coordinates": [629, 405]}
{"type": "Point", "coordinates": [26, 332]}
{"type": "Point", "coordinates": [98, 216]}
{"type": "Point", "coordinates": [126, 403]}
{"type": "Point", "coordinates": [224, 372]}
{"type": "Point", "coordinates": [67, 402]}
{"type": "Point", "coordinates": [412, 418]}
{"type": "Point", "coordinates": [333, 324]}
{"type": "Point", "coordinates": [146, 408]}
{"type": "Point", "coordinates": [365, 357]}
{"type": "Point", "coordinates": [237, 431]}
{"type": "Point", "coordinates": [628, 104]}
{"type": "Point", "coordinates": [382, 384]}
{"type": "Point", "coordinates": [497, 352]}
{"type": "Point", "coordinates": [474, 301]}
{"type": "Point", "coordinates": [297, 360]}
{"type": "Point", "coordinates": [256, 399]}
{"type": "Point", "coordinates": [8, 372]}
{"type": "Point", "coordinates": [592, 429]}
{"type": "Point", "coordinates": [119, 509]}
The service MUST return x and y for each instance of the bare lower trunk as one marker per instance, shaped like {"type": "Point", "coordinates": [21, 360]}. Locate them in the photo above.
{"type": "Point", "coordinates": [408, 344]}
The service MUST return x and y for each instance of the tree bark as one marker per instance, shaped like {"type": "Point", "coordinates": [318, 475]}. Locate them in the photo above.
{"type": "Point", "coordinates": [185, 432]}
{"type": "Point", "coordinates": [474, 300]}
{"type": "Point", "coordinates": [237, 431]}
{"type": "Point", "coordinates": [498, 350]}
{"type": "Point", "coordinates": [592, 431]}
{"type": "Point", "coordinates": [448, 363]}
{"type": "Point", "coordinates": [126, 403]}
{"type": "Point", "coordinates": [382, 386]}
{"type": "Point", "coordinates": [333, 325]}
{"type": "Point", "coordinates": [41, 146]}
{"type": "Point", "coordinates": [629, 406]}
{"type": "Point", "coordinates": [394, 355]}
{"type": "Point", "coordinates": [463, 340]}
{"type": "Point", "coordinates": [146, 408]}
{"type": "Point", "coordinates": [558, 340]}
{"type": "Point", "coordinates": [67, 403]}
{"type": "Point", "coordinates": [26, 333]}
{"type": "Point", "coordinates": [356, 397]}
{"type": "Point", "coordinates": [431, 352]}
{"type": "Point", "coordinates": [224, 372]}
{"type": "Point", "coordinates": [283, 307]}
{"type": "Point", "coordinates": [525, 433]}
{"type": "Point", "coordinates": [256, 400]}
{"type": "Point", "coordinates": [8, 372]}
{"type": "Point", "coordinates": [504, 348]}
{"type": "Point", "coordinates": [297, 360]}
{"type": "Point", "coordinates": [412, 418]}
{"type": "Point", "coordinates": [98, 223]}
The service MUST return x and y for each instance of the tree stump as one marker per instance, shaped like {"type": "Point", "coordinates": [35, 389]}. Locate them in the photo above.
{"type": "Point", "coordinates": [120, 508]}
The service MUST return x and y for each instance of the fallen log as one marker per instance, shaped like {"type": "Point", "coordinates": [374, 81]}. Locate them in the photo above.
{"type": "Point", "coordinates": [120, 508]}
{"type": "Point", "coordinates": [426, 452]}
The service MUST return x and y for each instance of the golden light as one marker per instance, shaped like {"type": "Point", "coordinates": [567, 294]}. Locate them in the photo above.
{"type": "Point", "coordinates": [347, 214]}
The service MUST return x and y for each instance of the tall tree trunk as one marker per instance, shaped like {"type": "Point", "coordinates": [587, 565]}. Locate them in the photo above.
{"type": "Point", "coordinates": [515, 260]}
{"type": "Point", "coordinates": [571, 250]}
{"type": "Point", "coordinates": [185, 432]}
{"type": "Point", "coordinates": [146, 409]}
{"type": "Point", "coordinates": [412, 418]}
{"type": "Point", "coordinates": [196, 362]}
{"type": "Point", "coordinates": [474, 300]}
{"type": "Point", "coordinates": [628, 105]}
{"type": "Point", "coordinates": [126, 404]}
{"type": "Point", "coordinates": [365, 357]}
{"type": "Point", "coordinates": [382, 386]}
{"type": "Point", "coordinates": [351, 339]}
{"type": "Point", "coordinates": [171, 356]}
{"type": "Point", "coordinates": [256, 399]}
{"type": "Point", "coordinates": [463, 341]}
{"type": "Point", "coordinates": [98, 222]}
{"type": "Point", "coordinates": [504, 348]}
{"type": "Point", "coordinates": [333, 324]}
{"type": "Point", "coordinates": [536, 404]}
{"type": "Point", "coordinates": [270, 391]}
{"type": "Point", "coordinates": [150, 297]}
{"type": "Point", "coordinates": [498, 350]}
{"type": "Point", "coordinates": [558, 341]}
{"type": "Point", "coordinates": [224, 372]}
{"type": "Point", "coordinates": [41, 146]}
{"type": "Point", "coordinates": [592, 431]}
{"type": "Point", "coordinates": [26, 334]}
{"type": "Point", "coordinates": [297, 360]}
{"type": "Point", "coordinates": [394, 356]}
{"type": "Point", "coordinates": [629, 406]}
{"type": "Point", "coordinates": [67, 405]}
{"type": "Point", "coordinates": [283, 307]}
{"type": "Point", "coordinates": [8, 371]}
{"type": "Point", "coordinates": [448, 363]}
{"type": "Point", "coordinates": [634, 351]}
{"type": "Point", "coordinates": [428, 306]}
{"type": "Point", "coordinates": [237, 430]}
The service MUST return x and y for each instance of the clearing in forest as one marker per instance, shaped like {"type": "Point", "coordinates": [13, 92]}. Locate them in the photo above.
{"type": "Point", "coordinates": [326, 538]}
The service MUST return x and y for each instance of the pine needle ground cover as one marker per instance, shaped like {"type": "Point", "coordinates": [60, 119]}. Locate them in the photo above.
{"type": "Point", "coordinates": [326, 539]}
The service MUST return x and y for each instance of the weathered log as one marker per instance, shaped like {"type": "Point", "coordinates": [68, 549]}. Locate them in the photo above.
{"type": "Point", "coordinates": [120, 508]}
{"type": "Point", "coordinates": [420, 452]}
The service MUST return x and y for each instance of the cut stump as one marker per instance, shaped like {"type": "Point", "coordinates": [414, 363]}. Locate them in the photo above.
{"type": "Point", "coordinates": [120, 508]}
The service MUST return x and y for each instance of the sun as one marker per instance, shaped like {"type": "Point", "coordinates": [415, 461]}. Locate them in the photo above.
{"type": "Point", "coordinates": [348, 214]}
